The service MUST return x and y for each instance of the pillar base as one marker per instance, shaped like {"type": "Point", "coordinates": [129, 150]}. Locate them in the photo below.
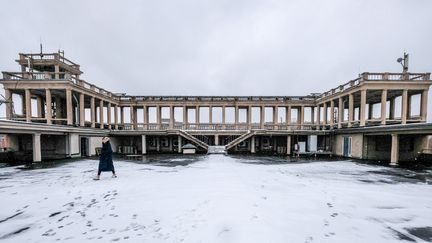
{"type": "Point", "coordinates": [143, 144]}
{"type": "Point", "coordinates": [252, 145]}
{"type": "Point", "coordinates": [37, 155]}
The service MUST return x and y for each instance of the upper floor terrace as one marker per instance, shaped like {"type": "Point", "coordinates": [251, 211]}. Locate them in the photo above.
{"type": "Point", "coordinates": [50, 90]}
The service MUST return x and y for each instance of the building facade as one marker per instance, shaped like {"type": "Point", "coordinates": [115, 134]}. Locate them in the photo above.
{"type": "Point", "coordinates": [344, 121]}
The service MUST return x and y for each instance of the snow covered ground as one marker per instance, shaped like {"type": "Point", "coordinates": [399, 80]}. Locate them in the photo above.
{"type": "Point", "coordinates": [216, 198]}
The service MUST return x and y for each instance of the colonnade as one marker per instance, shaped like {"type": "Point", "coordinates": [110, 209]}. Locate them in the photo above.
{"type": "Point", "coordinates": [171, 122]}
{"type": "Point", "coordinates": [67, 106]}
{"type": "Point", "coordinates": [57, 106]}
{"type": "Point", "coordinates": [361, 109]}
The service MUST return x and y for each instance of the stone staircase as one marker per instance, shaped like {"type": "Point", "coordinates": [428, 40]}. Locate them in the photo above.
{"type": "Point", "coordinates": [240, 139]}
{"type": "Point", "coordinates": [193, 139]}
{"type": "Point", "coordinates": [216, 150]}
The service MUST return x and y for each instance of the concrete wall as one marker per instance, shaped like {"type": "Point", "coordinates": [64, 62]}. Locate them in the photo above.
{"type": "Point", "coordinates": [94, 142]}
{"type": "Point", "coordinates": [114, 143]}
{"type": "Point", "coordinates": [356, 145]}
{"type": "Point", "coordinates": [427, 147]}
{"type": "Point", "coordinates": [419, 142]}
{"type": "Point", "coordinates": [12, 140]}
{"type": "Point", "coordinates": [75, 144]}
{"type": "Point", "coordinates": [54, 146]}
{"type": "Point", "coordinates": [379, 147]}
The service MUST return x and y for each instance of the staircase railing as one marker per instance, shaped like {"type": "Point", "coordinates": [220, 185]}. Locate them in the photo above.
{"type": "Point", "coordinates": [193, 139]}
{"type": "Point", "coordinates": [240, 139]}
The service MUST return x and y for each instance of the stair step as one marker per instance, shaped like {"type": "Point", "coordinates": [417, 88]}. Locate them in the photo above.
{"type": "Point", "coordinates": [216, 150]}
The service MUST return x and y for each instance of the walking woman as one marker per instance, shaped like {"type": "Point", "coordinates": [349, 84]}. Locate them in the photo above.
{"type": "Point", "coordinates": [105, 158]}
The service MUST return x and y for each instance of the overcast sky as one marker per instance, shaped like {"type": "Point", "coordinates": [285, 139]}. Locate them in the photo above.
{"type": "Point", "coordinates": [223, 47]}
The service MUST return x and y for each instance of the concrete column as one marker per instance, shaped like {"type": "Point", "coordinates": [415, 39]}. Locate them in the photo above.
{"type": "Point", "coordinates": [363, 108]}
{"type": "Point", "coordinates": [424, 102]}
{"type": "Point", "coordinates": [383, 106]}
{"type": "Point", "coordinates": [262, 118]}
{"type": "Point", "coordinates": [135, 116]}
{"type": "Point", "coordinates": [312, 115]}
{"type": "Point", "coordinates": [171, 116]}
{"type": "Point", "coordinates": [325, 114]}
{"type": "Point", "coordinates": [404, 113]}
{"type": "Point", "coordinates": [37, 153]}
{"type": "Point", "coordinates": [370, 111]}
{"type": "Point", "coordinates": [249, 117]}
{"type": "Point", "coordinates": [179, 142]}
{"type": "Point", "coordinates": [9, 111]}
{"type": "Point", "coordinates": [101, 114]}
{"type": "Point", "coordinates": [409, 106]}
{"type": "Point", "coordinates": [223, 115]}
{"type": "Point", "coordinates": [253, 144]}
{"type": "Point", "coordinates": [144, 144]}
{"type": "Point", "coordinates": [158, 143]}
{"type": "Point", "coordinates": [57, 70]}
{"type": "Point", "coordinates": [145, 115]}
{"type": "Point", "coordinates": [332, 114]}
{"type": "Point", "coordinates": [350, 109]}
{"type": "Point", "coordinates": [48, 101]}
{"type": "Point", "coordinates": [288, 115]}
{"type": "Point", "coordinates": [340, 112]}
{"type": "Point", "coordinates": [81, 110]}
{"type": "Point", "coordinates": [116, 117]}
{"type": "Point", "coordinates": [92, 112]}
{"type": "Point", "coordinates": [394, 160]}
{"type": "Point", "coordinates": [288, 145]}
{"type": "Point", "coordinates": [185, 116]}
{"type": "Point", "coordinates": [210, 114]}
{"type": "Point", "coordinates": [158, 117]}
{"type": "Point", "coordinates": [275, 114]}
{"type": "Point", "coordinates": [301, 117]}
{"type": "Point", "coordinates": [216, 139]}
{"type": "Point", "coordinates": [392, 108]}
{"type": "Point", "coordinates": [109, 115]}
{"type": "Point", "coordinates": [28, 109]}
{"type": "Point", "coordinates": [39, 106]}
{"type": "Point", "coordinates": [197, 114]}
{"type": "Point", "coordinates": [69, 109]}
{"type": "Point", "coordinates": [59, 107]}
{"type": "Point", "coordinates": [67, 145]}
{"type": "Point", "coordinates": [132, 117]}
{"type": "Point", "coordinates": [236, 115]}
{"type": "Point", "coordinates": [318, 121]}
{"type": "Point", "coordinates": [122, 116]}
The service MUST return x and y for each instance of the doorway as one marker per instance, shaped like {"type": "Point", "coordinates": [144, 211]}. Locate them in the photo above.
{"type": "Point", "coordinates": [85, 147]}
{"type": "Point", "coordinates": [347, 146]}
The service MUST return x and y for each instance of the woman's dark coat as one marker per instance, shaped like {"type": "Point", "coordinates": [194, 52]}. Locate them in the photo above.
{"type": "Point", "coordinates": [105, 158]}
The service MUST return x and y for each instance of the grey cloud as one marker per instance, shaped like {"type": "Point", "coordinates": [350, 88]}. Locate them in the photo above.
{"type": "Point", "coordinates": [223, 47]}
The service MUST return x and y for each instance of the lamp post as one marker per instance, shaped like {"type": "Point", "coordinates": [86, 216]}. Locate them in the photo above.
{"type": "Point", "coordinates": [404, 62]}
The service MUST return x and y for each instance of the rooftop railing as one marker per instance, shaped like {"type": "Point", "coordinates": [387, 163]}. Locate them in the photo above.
{"type": "Point", "coordinates": [216, 126]}
{"type": "Point", "coordinates": [394, 76]}
{"type": "Point", "coordinates": [48, 57]}
{"type": "Point", "coordinates": [39, 76]}
{"type": "Point", "coordinates": [215, 98]}
{"type": "Point", "coordinates": [48, 76]}
{"type": "Point", "coordinates": [364, 77]}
